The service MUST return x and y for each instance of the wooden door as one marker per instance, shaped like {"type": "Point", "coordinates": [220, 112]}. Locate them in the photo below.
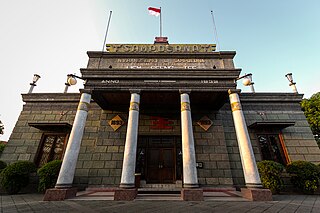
{"type": "Point", "coordinates": [161, 165]}
{"type": "Point", "coordinates": [167, 165]}
{"type": "Point", "coordinates": [153, 162]}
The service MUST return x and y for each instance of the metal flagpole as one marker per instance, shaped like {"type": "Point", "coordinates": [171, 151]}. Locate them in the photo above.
{"type": "Point", "coordinates": [215, 31]}
{"type": "Point", "coordinates": [160, 23]}
{"type": "Point", "coordinates": [105, 38]}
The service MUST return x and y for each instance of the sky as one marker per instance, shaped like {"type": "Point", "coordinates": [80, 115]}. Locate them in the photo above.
{"type": "Point", "coordinates": [51, 38]}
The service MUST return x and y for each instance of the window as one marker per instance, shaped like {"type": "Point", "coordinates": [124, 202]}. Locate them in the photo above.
{"type": "Point", "coordinates": [272, 148]}
{"type": "Point", "coordinates": [51, 148]}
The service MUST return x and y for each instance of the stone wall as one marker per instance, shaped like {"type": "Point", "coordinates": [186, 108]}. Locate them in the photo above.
{"type": "Point", "coordinates": [298, 139]}
{"type": "Point", "coordinates": [270, 107]}
{"type": "Point", "coordinates": [211, 149]}
{"type": "Point", "coordinates": [39, 108]}
{"type": "Point", "coordinates": [101, 153]}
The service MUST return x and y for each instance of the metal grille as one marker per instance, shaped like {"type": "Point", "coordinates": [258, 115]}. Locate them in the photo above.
{"type": "Point", "coordinates": [52, 148]}
{"type": "Point", "coordinates": [46, 150]}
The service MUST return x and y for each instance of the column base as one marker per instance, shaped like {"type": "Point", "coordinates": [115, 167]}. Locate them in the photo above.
{"type": "Point", "coordinates": [192, 194]}
{"type": "Point", "coordinates": [256, 194]}
{"type": "Point", "coordinates": [127, 185]}
{"type": "Point", "coordinates": [189, 185]}
{"type": "Point", "coordinates": [125, 194]}
{"type": "Point", "coordinates": [59, 194]}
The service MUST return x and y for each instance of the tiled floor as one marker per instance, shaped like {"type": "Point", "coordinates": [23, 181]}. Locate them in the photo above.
{"type": "Point", "coordinates": [282, 203]}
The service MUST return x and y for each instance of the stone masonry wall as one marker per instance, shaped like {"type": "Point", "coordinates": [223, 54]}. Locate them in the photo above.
{"type": "Point", "coordinates": [298, 139]}
{"type": "Point", "coordinates": [101, 153]}
{"type": "Point", "coordinates": [211, 149]}
{"type": "Point", "coordinates": [24, 140]}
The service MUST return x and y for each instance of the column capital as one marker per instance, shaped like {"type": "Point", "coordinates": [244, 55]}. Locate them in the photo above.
{"type": "Point", "coordinates": [181, 91]}
{"type": "Point", "coordinates": [138, 91]}
{"type": "Point", "coordinates": [231, 91]}
{"type": "Point", "coordinates": [88, 91]}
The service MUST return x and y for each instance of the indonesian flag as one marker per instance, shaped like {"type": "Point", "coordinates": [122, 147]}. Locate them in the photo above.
{"type": "Point", "coordinates": [154, 11]}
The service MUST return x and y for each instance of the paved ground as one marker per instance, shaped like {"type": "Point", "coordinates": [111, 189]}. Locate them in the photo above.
{"type": "Point", "coordinates": [282, 203]}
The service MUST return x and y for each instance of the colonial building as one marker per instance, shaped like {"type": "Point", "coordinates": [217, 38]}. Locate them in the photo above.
{"type": "Point", "coordinates": [169, 113]}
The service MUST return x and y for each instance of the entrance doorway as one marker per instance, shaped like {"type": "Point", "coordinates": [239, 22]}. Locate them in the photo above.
{"type": "Point", "coordinates": [161, 165]}
{"type": "Point", "coordinates": [159, 159]}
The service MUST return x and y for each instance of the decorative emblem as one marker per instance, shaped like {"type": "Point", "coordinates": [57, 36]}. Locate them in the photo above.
{"type": "Point", "coordinates": [134, 106]}
{"type": "Point", "coordinates": [83, 106]}
{"type": "Point", "coordinates": [116, 122]}
{"type": "Point", "coordinates": [205, 123]}
{"type": "Point", "coordinates": [185, 106]}
{"type": "Point", "coordinates": [235, 106]}
{"type": "Point", "coordinates": [160, 123]}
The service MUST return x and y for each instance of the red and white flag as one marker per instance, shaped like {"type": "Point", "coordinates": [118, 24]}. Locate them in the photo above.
{"type": "Point", "coordinates": [154, 11]}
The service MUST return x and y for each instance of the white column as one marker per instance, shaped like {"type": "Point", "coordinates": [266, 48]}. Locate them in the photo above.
{"type": "Point", "coordinates": [250, 170]}
{"type": "Point", "coordinates": [190, 178]}
{"type": "Point", "coordinates": [129, 159]}
{"type": "Point", "coordinates": [70, 158]}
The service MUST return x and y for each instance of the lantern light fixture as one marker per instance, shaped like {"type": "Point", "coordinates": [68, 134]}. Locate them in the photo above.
{"type": "Point", "coordinates": [71, 80]}
{"type": "Point", "coordinates": [247, 81]}
{"type": "Point", "coordinates": [292, 84]}
{"type": "Point", "coordinates": [35, 78]}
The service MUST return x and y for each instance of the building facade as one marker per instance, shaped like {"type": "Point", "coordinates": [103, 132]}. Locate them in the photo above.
{"type": "Point", "coordinates": [162, 112]}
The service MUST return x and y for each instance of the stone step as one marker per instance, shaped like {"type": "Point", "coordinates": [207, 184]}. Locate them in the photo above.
{"type": "Point", "coordinates": [159, 186]}
{"type": "Point", "coordinates": [159, 191]}
{"type": "Point", "coordinates": [158, 197]}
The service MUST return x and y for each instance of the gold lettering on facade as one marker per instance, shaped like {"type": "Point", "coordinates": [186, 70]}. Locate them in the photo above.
{"type": "Point", "coordinates": [152, 48]}
{"type": "Point", "coordinates": [161, 48]}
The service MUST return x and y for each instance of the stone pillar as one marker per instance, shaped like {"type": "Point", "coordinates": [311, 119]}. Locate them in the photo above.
{"type": "Point", "coordinates": [129, 160]}
{"type": "Point", "coordinates": [250, 170]}
{"type": "Point", "coordinates": [127, 189]}
{"type": "Point", "coordinates": [190, 192]}
{"type": "Point", "coordinates": [190, 178]}
{"type": "Point", "coordinates": [63, 188]}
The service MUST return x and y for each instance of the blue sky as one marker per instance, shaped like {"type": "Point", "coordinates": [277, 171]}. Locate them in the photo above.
{"type": "Point", "coordinates": [51, 38]}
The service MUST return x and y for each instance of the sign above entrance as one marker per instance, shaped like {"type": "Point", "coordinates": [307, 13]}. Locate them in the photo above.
{"type": "Point", "coordinates": [116, 122]}
{"type": "Point", "coordinates": [160, 123]}
{"type": "Point", "coordinates": [160, 48]}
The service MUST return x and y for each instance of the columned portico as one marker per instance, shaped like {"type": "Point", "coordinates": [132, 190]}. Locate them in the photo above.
{"type": "Point", "coordinates": [129, 160]}
{"type": "Point", "coordinates": [68, 167]}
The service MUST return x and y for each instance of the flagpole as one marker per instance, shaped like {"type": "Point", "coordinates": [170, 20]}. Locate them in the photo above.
{"type": "Point", "coordinates": [105, 38]}
{"type": "Point", "coordinates": [160, 23]}
{"type": "Point", "coordinates": [215, 33]}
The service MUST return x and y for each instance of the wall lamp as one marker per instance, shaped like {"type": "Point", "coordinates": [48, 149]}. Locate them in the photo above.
{"type": "Point", "coordinates": [292, 84]}
{"type": "Point", "coordinates": [71, 80]}
{"type": "Point", "coordinates": [34, 81]}
{"type": "Point", "coordinates": [247, 81]}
